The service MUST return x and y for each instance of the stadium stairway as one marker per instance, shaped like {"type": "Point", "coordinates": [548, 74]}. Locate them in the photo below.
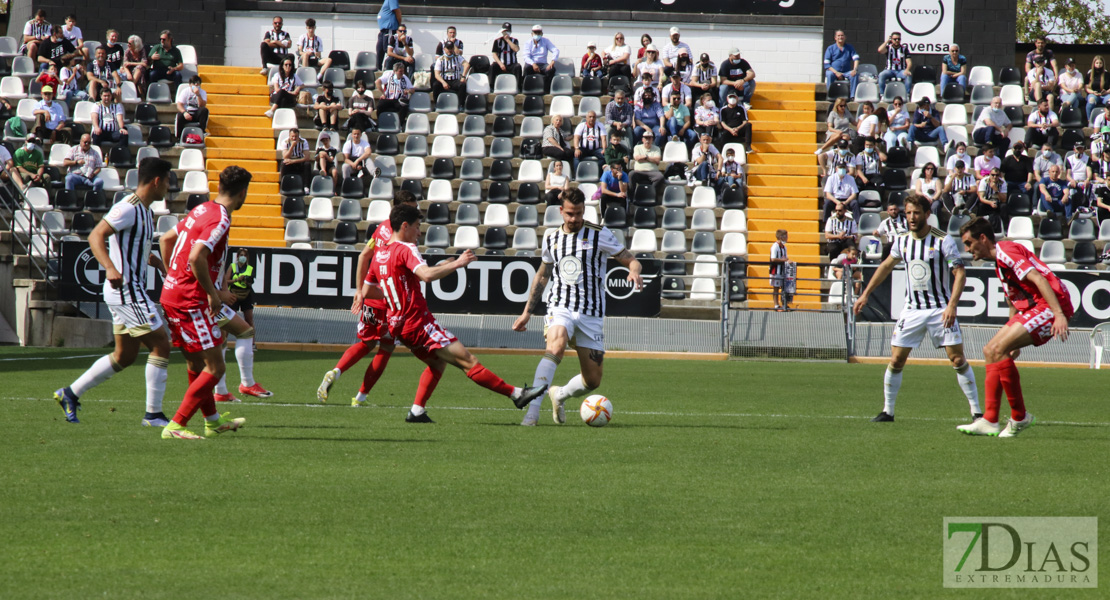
{"type": "Point", "coordinates": [240, 134]}
{"type": "Point", "coordinates": [782, 177]}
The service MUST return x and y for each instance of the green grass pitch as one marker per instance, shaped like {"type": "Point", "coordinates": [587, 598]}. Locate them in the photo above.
{"type": "Point", "coordinates": [714, 480]}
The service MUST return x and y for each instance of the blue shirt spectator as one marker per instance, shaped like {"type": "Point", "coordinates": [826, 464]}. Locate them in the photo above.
{"type": "Point", "coordinates": [649, 117]}
{"type": "Point", "coordinates": [841, 62]}
{"type": "Point", "coordinates": [954, 66]}
{"type": "Point", "coordinates": [927, 125]}
{"type": "Point", "coordinates": [536, 51]}
{"type": "Point", "coordinates": [612, 182]}
{"type": "Point", "coordinates": [387, 19]}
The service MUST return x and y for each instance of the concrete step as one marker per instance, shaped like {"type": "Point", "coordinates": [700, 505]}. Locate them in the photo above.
{"type": "Point", "coordinates": [797, 252]}
{"type": "Point", "coordinates": [772, 159]}
{"type": "Point", "coordinates": [261, 154]}
{"type": "Point", "coordinates": [238, 100]}
{"type": "Point", "coordinates": [784, 104]}
{"type": "Point", "coordinates": [213, 142]}
{"type": "Point", "coordinates": [253, 89]}
{"type": "Point", "coordinates": [783, 137]}
{"type": "Point", "coordinates": [778, 169]}
{"type": "Point", "coordinates": [785, 85]}
{"type": "Point", "coordinates": [225, 70]}
{"type": "Point", "coordinates": [769, 122]}
{"type": "Point", "coordinates": [261, 166]}
{"type": "Point", "coordinates": [237, 110]}
{"type": "Point", "coordinates": [761, 271]}
{"type": "Point", "coordinates": [271, 234]}
{"type": "Point", "coordinates": [782, 95]}
{"type": "Point", "coordinates": [263, 179]}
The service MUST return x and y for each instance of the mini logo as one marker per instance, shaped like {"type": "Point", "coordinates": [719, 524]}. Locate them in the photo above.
{"type": "Point", "coordinates": [87, 274]}
{"type": "Point", "coordinates": [1021, 552]}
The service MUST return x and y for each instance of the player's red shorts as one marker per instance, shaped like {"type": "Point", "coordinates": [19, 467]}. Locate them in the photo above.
{"type": "Point", "coordinates": [372, 324]}
{"type": "Point", "coordinates": [424, 334]}
{"type": "Point", "coordinates": [193, 329]}
{"type": "Point", "coordinates": [1038, 322]}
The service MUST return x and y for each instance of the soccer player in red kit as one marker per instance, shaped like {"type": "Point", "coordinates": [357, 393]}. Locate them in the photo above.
{"type": "Point", "coordinates": [395, 274]}
{"type": "Point", "coordinates": [372, 329]}
{"type": "Point", "coordinates": [1040, 307]}
{"type": "Point", "coordinates": [195, 307]}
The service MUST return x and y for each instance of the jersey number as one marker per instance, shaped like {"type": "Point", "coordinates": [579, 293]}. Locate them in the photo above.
{"type": "Point", "coordinates": [181, 239]}
{"type": "Point", "coordinates": [391, 296]}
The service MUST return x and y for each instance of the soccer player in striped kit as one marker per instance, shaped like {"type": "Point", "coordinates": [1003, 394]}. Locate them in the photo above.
{"type": "Point", "coordinates": [129, 231]}
{"type": "Point", "coordinates": [932, 259]}
{"type": "Point", "coordinates": [1040, 307]}
{"type": "Point", "coordinates": [575, 259]}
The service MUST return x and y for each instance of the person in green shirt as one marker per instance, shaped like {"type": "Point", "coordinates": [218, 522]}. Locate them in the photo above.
{"type": "Point", "coordinates": [679, 123]}
{"type": "Point", "coordinates": [30, 165]}
{"type": "Point", "coordinates": [165, 61]}
{"type": "Point", "coordinates": [615, 152]}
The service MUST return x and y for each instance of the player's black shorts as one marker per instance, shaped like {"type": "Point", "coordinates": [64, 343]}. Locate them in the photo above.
{"type": "Point", "coordinates": [244, 304]}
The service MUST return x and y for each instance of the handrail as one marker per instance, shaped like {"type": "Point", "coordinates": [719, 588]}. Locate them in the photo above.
{"type": "Point", "coordinates": [36, 226]}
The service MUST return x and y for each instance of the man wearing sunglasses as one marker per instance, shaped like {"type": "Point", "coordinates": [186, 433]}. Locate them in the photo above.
{"type": "Point", "coordinates": [275, 45]}
{"type": "Point", "coordinates": [165, 61]}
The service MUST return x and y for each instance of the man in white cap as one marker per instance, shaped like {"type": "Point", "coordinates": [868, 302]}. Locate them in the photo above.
{"type": "Point", "coordinates": [673, 49]}
{"type": "Point", "coordinates": [737, 76]}
{"type": "Point", "coordinates": [540, 56]}
{"type": "Point", "coordinates": [504, 55]}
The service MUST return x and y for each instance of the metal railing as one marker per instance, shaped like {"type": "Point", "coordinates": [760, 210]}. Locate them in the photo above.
{"type": "Point", "coordinates": [27, 233]}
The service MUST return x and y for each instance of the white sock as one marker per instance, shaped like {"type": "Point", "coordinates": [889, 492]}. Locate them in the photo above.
{"type": "Point", "coordinates": [213, 418]}
{"type": "Point", "coordinates": [574, 388]}
{"type": "Point", "coordinates": [892, 382]}
{"type": "Point", "coordinates": [361, 397]}
{"type": "Point", "coordinates": [221, 387]}
{"type": "Point", "coordinates": [98, 373]}
{"type": "Point", "coordinates": [244, 355]}
{"type": "Point", "coordinates": [545, 373]}
{"type": "Point", "coordinates": [416, 410]}
{"type": "Point", "coordinates": [966, 378]}
{"type": "Point", "coordinates": [156, 374]}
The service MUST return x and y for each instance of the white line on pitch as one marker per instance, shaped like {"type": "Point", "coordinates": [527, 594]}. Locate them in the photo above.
{"type": "Point", "coordinates": [52, 357]}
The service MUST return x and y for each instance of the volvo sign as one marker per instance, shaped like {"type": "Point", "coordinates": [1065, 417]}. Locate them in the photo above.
{"type": "Point", "coordinates": [926, 26]}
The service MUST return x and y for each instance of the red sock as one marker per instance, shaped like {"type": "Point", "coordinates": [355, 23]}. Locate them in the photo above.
{"type": "Point", "coordinates": [993, 390]}
{"type": "Point", "coordinates": [192, 376]}
{"type": "Point", "coordinates": [374, 371]}
{"type": "Point", "coordinates": [1011, 382]}
{"type": "Point", "coordinates": [428, 381]}
{"type": "Point", "coordinates": [489, 380]}
{"type": "Point", "coordinates": [352, 356]}
{"type": "Point", "coordinates": [199, 390]}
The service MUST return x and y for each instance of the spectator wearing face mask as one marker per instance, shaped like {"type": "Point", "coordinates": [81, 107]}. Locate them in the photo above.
{"type": "Point", "coordinates": [239, 280]}
{"type": "Point", "coordinates": [993, 126]}
{"type": "Point", "coordinates": [649, 117]}
{"type": "Point", "coordinates": [615, 152]}
{"type": "Point", "coordinates": [504, 53]}
{"type": "Point", "coordinates": [325, 158]}
{"type": "Point", "coordinates": [869, 166]}
{"type": "Point", "coordinates": [927, 124]}
{"type": "Point", "coordinates": [707, 117]}
{"type": "Point", "coordinates": [359, 107]}
{"type": "Point", "coordinates": [959, 154]}
{"type": "Point", "coordinates": [327, 108]}
{"type": "Point", "coordinates": [735, 126]}
{"type": "Point", "coordinates": [736, 76]}
{"type": "Point", "coordinates": [540, 56]}
{"type": "Point", "coordinates": [672, 49]}
{"type": "Point", "coordinates": [30, 165]}
{"type": "Point", "coordinates": [992, 195]}
{"type": "Point", "coordinates": [985, 163]}
{"type": "Point", "coordinates": [838, 156]}
{"type": "Point", "coordinates": [703, 76]}
{"type": "Point", "coordinates": [192, 106]}
{"type": "Point", "coordinates": [619, 113]}
{"type": "Point", "coordinates": [706, 161]}
{"type": "Point", "coordinates": [841, 192]}
{"type": "Point", "coordinates": [1017, 170]}
{"type": "Point", "coordinates": [732, 172]}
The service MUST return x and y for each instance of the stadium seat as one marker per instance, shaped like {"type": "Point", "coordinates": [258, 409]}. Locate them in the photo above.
{"type": "Point", "coordinates": [894, 89]}
{"type": "Point", "coordinates": [531, 127]}
{"type": "Point", "coordinates": [644, 195]}
{"type": "Point", "coordinates": [500, 170]}
{"type": "Point", "coordinates": [1071, 117]}
{"type": "Point", "coordinates": [82, 223]}
{"type": "Point", "coordinates": [470, 191]}
{"type": "Point", "coordinates": [417, 124]}
{"type": "Point", "coordinates": [1021, 228]}
{"type": "Point", "coordinates": [195, 200]}
{"type": "Point", "coordinates": [894, 180]}
{"type": "Point", "coordinates": [674, 288]}
{"type": "Point", "coordinates": [923, 90]}
{"type": "Point", "coordinates": [437, 236]}
{"type": "Point", "coordinates": [420, 102]}
{"type": "Point", "coordinates": [552, 217]}
{"type": "Point", "coordinates": [527, 216]}
{"type": "Point", "coordinates": [297, 231]}
{"type": "Point", "coordinates": [926, 155]}
{"type": "Point", "coordinates": [734, 244]}
{"type": "Point", "coordinates": [531, 170]}
{"type": "Point", "coordinates": [495, 238]}
{"type": "Point", "coordinates": [443, 147]}
{"type": "Point", "coordinates": [533, 85]}
{"type": "Point", "coordinates": [1009, 76]}
{"type": "Point", "coordinates": [1083, 230]}
{"type": "Point", "coordinates": [561, 105]}
{"type": "Point", "coordinates": [870, 201]}
{"type": "Point", "coordinates": [477, 83]}
{"type": "Point", "coordinates": [388, 122]}
{"type": "Point", "coordinates": [704, 219]}
{"type": "Point", "coordinates": [438, 213]}
{"type": "Point", "coordinates": [416, 145]}
{"type": "Point", "coordinates": [381, 188]}
{"type": "Point", "coordinates": [925, 74]}
{"type": "Point", "coordinates": [867, 91]}
{"type": "Point", "coordinates": [504, 104]}
{"type": "Point", "coordinates": [1104, 231]}
{"type": "Point", "coordinates": [673, 241]}
{"type": "Point", "coordinates": [980, 76]}
{"type": "Point", "coordinates": [505, 84]}
{"type": "Point", "coordinates": [446, 124]}
{"type": "Point", "coordinates": [840, 89]}
{"type": "Point", "coordinates": [340, 60]}
{"type": "Point", "coordinates": [704, 197]}
{"type": "Point", "coordinates": [953, 93]}
{"type": "Point", "coordinates": [321, 210]}
{"type": "Point", "coordinates": [588, 171]}
{"type": "Point", "coordinates": [1084, 254]}
{"type": "Point", "coordinates": [292, 207]}
{"type": "Point", "coordinates": [675, 152]}
{"type": "Point", "coordinates": [674, 196]}
{"type": "Point", "coordinates": [346, 233]}
{"type": "Point", "coordinates": [644, 218]}
{"type": "Point", "coordinates": [474, 126]}
{"type": "Point", "coordinates": [473, 147]}
{"type": "Point", "coordinates": [352, 187]}
{"type": "Point", "coordinates": [616, 217]}
{"type": "Point", "coordinates": [499, 192]}
{"type": "Point", "coordinates": [1052, 251]}
{"type": "Point", "coordinates": [533, 107]}
{"type": "Point", "coordinates": [590, 103]}
{"type": "Point", "coordinates": [467, 214]}
{"type": "Point", "coordinates": [191, 159]}
{"type": "Point", "coordinates": [954, 115]}
{"type": "Point", "coordinates": [159, 93]}
{"type": "Point", "coordinates": [528, 193]}
{"type": "Point", "coordinates": [447, 103]}
{"type": "Point", "coordinates": [196, 182]}
{"type": "Point", "coordinates": [954, 224]}
{"type": "Point", "coordinates": [466, 238]}
{"type": "Point", "coordinates": [703, 289]}
{"type": "Point", "coordinates": [643, 241]}
{"type": "Point", "coordinates": [68, 201]}
{"type": "Point", "coordinates": [503, 126]}
{"type": "Point", "coordinates": [524, 239]}
{"type": "Point", "coordinates": [501, 147]}
{"type": "Point", "coordinates": [413, 168]}
{"type": "Point", "coordinates": [982, 95]}
{"type": "Point", "coordinates": [476, 105]}
{"type": "Point", "coordinates": [734, 220]}
{"type": "Point", "coordinates": [1051, 228]}
{"type": "Point", "coordinates": [1012, 95]}
{"type": "Point", "coordinates": [349, 209]}
{"type": "Point", "coordinates": [442, 168]}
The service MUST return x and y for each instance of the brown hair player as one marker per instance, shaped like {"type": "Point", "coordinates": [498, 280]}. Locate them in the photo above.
{"type": "Point", "coordinates": [1040, 307]}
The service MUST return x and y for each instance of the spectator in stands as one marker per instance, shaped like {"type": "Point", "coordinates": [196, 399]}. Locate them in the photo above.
{"type": "Point", "coordinates": [1098, 86]}
{"type": "Point", "coordinates": [840, 122]}
{"type": "Point", "coordinates": [1076, 165]}
{"type": "Point", "coordinates": [30, 165]}
{"type": "Point", "coordinates": [1045, 159]}
{"type": "Point", "coordinates": [589, 140]}
{"type": "Point", "coordinates": [614, 187]}
{"type": "Point", "coordinates": [165, 61]}
{"type": "Point", "coordinates": [646, 158]}
{"type": "Point", "coordinates": [1017, 170]}
{"type": "Point", "coordinates": [926, 125]}
{"type": "Point", "coordinates": [959, 154]}
{"type": "Point", "coordinates": [285, 86]}
{"type": "Point", "coordinates": [1055, 193]}
{"type": "Point", "coordinates": [115, 52]}
{"type": "Point", "coordinates": [736, 76]}
{"type": "Point", "coordinates": [868, 127]}
{"type": "Point", "coordinates": [706, 116]}
{"type": "Point", "coordinates": [556, 183]}
{"type": "Point", "coordinates": [645, 83]}
{"type": "Point", "coordinates": [1040, 83]}
{"type": "Point", "coordinates": [540, 56]}
{"type": "Point", "coordinates": [841, 62]}
{"type": "Point", "coordinates": [56, 50]}
{"type": "Point", "coordinates": [592, 64]}
{"type": "Point", "coordinates": [1100, 176]}
{"type": "Point", "coordinates": [735, 126]}
{"type": "Point", "coordinates": [7, 166]}
{"type": "Point", "coordinates": [396, 89]}
{"type": "Point", "coordinates": [618, 57]}
{"type": "Point", "coordinates": [649, 117]}
{"type": "Point", "coordinates": [707, 161]}
{"type": "Point", "coordinates": [615, 151]}
{"type": "Point", "coordinates": [847, 259]}
{"type": "Point", "coordinates": [898, 131]}
{"type": "Point", "coordinates": [651, 64]}
{"type": "Point", "coordinates": [360, 105]}
{"type": "Point", "coordinates": [275, 45]}
{"type": "Point", "coordinates": [869, 165]}
{"type": "Point", "coordinates": [961, 190]}
{"type": "Point", "coordinates": [953, 69]}
{"type": "Point", "coordinates": [992, 195]}
{"type": "Point", "coordinates": [192, 106]}
{"type": "Point", "coordinates": [898, 62]}
{"type": "Point", "coordinates": [732, 172]}
{"type": "Point", "coordinates": [893, 225]}
{"type": "Point", "coordinates": [645, 41]}
{"type": "Point", "coordinates": [1044, 53]}
{"type": "Point", "coordinates": [680, 124]}
{"type": "Point", "coordinates": [929, 184]}
{"type": "Point", "coordinates": [399, 49]}
{"type": "Point", "coordinates": [67, 88]}
{"type": "Point", "coordinates": [684, 67]}
{"type": "Point", "coordinates": [50, 119]}
{"type": "Point", "coordinates": [296, 158]}
{"type": "Point", "coordinates": [840, 156]}
{"type": "Point", "coordinates": [136, 63]}
{"type": "Point", "coordinates": [986, 163]}
{"type": "Point", "coordinates": [452, 38]}
{"type": "Point", "coordinates": [325, 158]}
{"type": "Point", "coordinates": [72, 32]}
{"type": "Point", "coordinates": [555, 144]}
{"type": "Point", "coordinates": [841, 231]}
{"type": "Point", "coordinates": [504, 56]}
{"type": "Point", "coordinates": [107, 120]}
{"type": "Point", "coordinates": [841, 192]}
{"type": "Point", "coordinates": [102, 75]}
{"type": "Point", "coordinates": [778, 271]}
{"type": "Point", "coordinates": [1071, 85]}
{"type": "Point", "coordinates": [327, 107]}
{"type": "Point", "coordinates": [310, 48]}
{"type": "Point", "coordinates": [356, 155]}
{"type": "Point", "coordinates": [84, 166]}
{"type": "Point", "coordinates": [35, 32]}
{"type": "Point", "coordinates": [993, 126]}
{"type": "Point", "coordinates": [1042, 126]}
{"type": "Point", "coordinates": [389, 19]}
{"type": "Point", "coordinates": [620, 114]}
{"type": "Point", "coordinates": [450, 73]}
{"type": "Point", "coordinates": [672, 49]}
{"type": "Point", "coordinates": [703, 79]}
{"type": "Point", "coordinates": [677, 87]}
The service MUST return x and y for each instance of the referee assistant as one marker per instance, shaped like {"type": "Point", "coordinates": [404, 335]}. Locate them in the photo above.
{"type": "Point", "coordinates": [389, 20]}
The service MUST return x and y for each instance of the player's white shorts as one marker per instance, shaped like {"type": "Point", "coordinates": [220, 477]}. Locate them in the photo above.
{"type": "Point", "coordinates": [225, 316]}
{"type": "Point", "coordinates": [136, 320]}
{"type": "Point", "coordinates": [911, 329]}
{"type": "Point", "coordinates": [583, 331]}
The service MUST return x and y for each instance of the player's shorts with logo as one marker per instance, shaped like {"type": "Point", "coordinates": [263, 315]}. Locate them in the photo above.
{"type": "Point", "coordinates": [137, 319]}
{"type": "Point", "coordinates": [583, 331]}
{"type": "Point", "coordinates": [424, 335]}
{"type": "Point", "coordinates": [196, 329]}
{"type": "Point", "coordinates": [1038, 322]}
{"type": "Point", "coordinates": [914, 324]}
{"type": "Point", "coordinates": [372, 325]}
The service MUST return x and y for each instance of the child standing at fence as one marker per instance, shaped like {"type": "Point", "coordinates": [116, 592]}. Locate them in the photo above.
{"type": "Point", "coordinates": [778, 271]}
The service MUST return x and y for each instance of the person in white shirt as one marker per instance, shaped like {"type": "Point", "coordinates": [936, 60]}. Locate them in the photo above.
{"type": "Point", "coordinates": [961, 188]}
{"type": "Point", "coordinates": [652, 64]}
{"type": "Point", "coordinates": [617, 57]}
{"type": "Point", "coordinates": [841, 192]}
{"type": "Point", "coordinates": [892, 226]}
{"type": "Point", "coordinates": [1076, 164]}
{"type": "Point", "coordinates": [673, 49]}
{"type": "Point", "coordinates": [1040, 82]}
{"type": "Point", "coordinates": [1071, 85]}
{"type": "Point", "coordinates": [1042, 126]}
{"type": "Point", "coordinates": [683, 90]}
{"type": "Point", "coordinates": [310, 48]}
{"type": "Point", "coordinates": [285, 85]}
{"type": "Point", "coordinates": [356, 155]}
{"type": "Point", "coordinates": [992, 195]}
{"type": "Point", "coordinates": [72, 32]}
{"type": "Point", "coordinates": [960, 154]}
{"type": "Point", "coordinates": [993, 127]}
{"type": "Point", "coordinates": [50, 119]}
{"type": "Point", "coordinates": [192, 106]}
{"type": "Point", "coordinates": [84, 166]}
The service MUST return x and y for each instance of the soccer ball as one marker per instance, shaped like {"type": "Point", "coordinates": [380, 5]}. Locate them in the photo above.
{"type": "Point", "coordinates": [596, 411]}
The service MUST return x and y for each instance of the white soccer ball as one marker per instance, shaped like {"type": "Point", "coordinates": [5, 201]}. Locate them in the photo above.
{"type": "Point", "coordinates": [596, 411]}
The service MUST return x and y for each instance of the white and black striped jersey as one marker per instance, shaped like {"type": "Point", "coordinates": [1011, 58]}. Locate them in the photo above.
{"type": "Point", "coordinates": [36, 29]}
{"type": "Point", "coordinates": [278, 36]}
{"type": "Point", "coordinates": [394, 87]}
{"type": "Point", "coordinates": [298, 149]}
{"type": "Point", "coordinates": [450, 67]}
{"type": "Point", "coordinates": [310, 44]}
{"type": "Point", "coordinates": [892, 227]}
{"type": "Point", "coordinates": [106, 115]}
{"type": "Point", "coordinates": [579, 260]}
{"type": "Point", "coordinates": [929, 263]}
{"type": "Point", "coordinates": [129, 248]}
{"type": "Point", "coordinates": [504, 51]}
{"type": "Point", "coordinates": [962, 183]}
{"type": "Point", "coordinates": [705, 75]}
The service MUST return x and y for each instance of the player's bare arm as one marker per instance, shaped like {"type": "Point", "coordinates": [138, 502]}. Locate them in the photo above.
{"type": "Point", "coordinates": [155, 261]}
{"type": "Point", "coordinates": [363, 267]}
{"type": "Point", "coordinates": [535, 296]}
{"type": "Point", "coordinates": [1060, 323]}
{"type": "Point", "coordinates": [166, 242]}
{"type": "Point", "coordinates": [959, 278]}
{"type": "Point", "coordinates": [880, 275]}
{"type": "Point", "coordinates": [98, 243]}
{"type": "Point", "coordinates": [626, 259]}
{"type": "Point", "coordinates": [429, 274]}
{"type": "Point", "coordinates": [198, 262]}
